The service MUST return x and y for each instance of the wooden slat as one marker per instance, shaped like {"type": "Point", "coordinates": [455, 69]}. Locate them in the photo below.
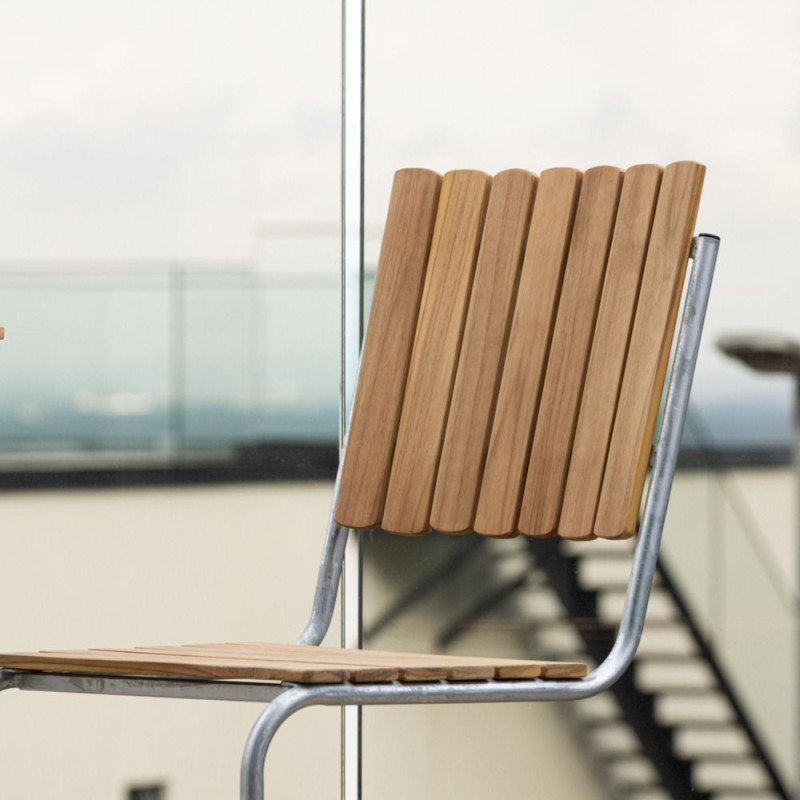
{"type": "Point", "coordinates": [504, 667]}
{"type": "Point", "coordinates": [482, 349]}
{"type": "Point", "coordinates": [526, 356]}
{"type": "Point", "coordinates": [354, 670]}
{"type": "Point", "coordinates": [99, 662]}
{"type": "Point", "coordinates": [303, 664]}
{"type": "Point", "coordinates": [609, 348]}
{"type": "Point", "coordinates": [387, 347]}
{"type": "Point", "coordinates": [359, 668]}
{"type": "Point", "coordinates": [569, 351]}
{"type": "Point", "coordinates": [459, 223]}
{"type": "Point", "coordinates": [653, 326]}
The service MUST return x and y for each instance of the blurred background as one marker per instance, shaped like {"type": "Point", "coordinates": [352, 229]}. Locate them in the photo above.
{"type": "Point", "coordinates": [170, 250]}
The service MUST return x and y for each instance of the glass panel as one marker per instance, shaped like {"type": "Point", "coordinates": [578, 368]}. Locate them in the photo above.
{"type": "Point", "coordinates": [466, 86]}
{"type": "Point", "coordinates": [169, 287]}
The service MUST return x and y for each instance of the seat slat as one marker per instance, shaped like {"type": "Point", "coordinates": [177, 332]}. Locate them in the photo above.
{"type": "Point", "coordinates": [358, 663]}
{"type": "Point", "coordinates": [387, 347]}
{"type": "Point", "coordinates": [646, 365]}
{"type": "Point", "coordinates": [569, 351]}
{"type": "Point", "coordinates": [456, 237]}
{"type": "Point", "coordinates": [609, 348]}
{"type": "Point", "coordinates": [355, 670]}
{"type": "Point", "coordinates": [526, 355]}
{"type": "Point", "coordinates": [297, 663]}
{"type": "Point", "coordinates": [110, 662]}
{"type": "Point", "coordinates": [504, 667]}
{"type": "Point", "coordinates": [482, 349]}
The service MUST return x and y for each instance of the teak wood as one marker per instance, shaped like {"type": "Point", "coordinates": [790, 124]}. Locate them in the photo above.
{"type": "Point", "coordinates": [569, 351]}
{"type": "Point", "coordinates": [296, 663]}
{"type": "Point", "coordinates": [609, 349]}
{"type": "Point", "coordinates": [527, 352]}
{"type": "Point", "coordinates": [482, 350]}
{"type": "Point", "coordinates": [533, 381]}
{"type": "Point", "coordinates": [387, 351]}
{"type": "Point", "coordinates": [456, 238]}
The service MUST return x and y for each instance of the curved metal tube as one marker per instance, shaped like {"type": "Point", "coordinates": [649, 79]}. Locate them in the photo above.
{"type": "Point", "coordinates": [704, 253]}
{"type": "Point", "coordinates": [330, 568]}
{"type": "Point", "coordinates": [330, 572]}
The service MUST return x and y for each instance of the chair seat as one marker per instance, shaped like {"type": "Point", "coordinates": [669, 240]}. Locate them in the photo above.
{"type": "Point", "coordinates": [280, 662]}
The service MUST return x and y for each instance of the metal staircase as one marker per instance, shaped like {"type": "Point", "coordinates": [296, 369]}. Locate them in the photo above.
{"type": "Point", "coordinates": [673, 726]}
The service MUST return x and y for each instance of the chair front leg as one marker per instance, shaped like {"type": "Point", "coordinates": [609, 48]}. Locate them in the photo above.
{"type": "Point", "coordinates": [251, 786]}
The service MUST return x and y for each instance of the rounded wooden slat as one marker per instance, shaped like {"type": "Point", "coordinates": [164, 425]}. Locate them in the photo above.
{"type": "Point", "coordinates": [645, 367]}
{"type": "Point", "coordinates": [610, 345]}
{"type": "Point", "coordinates": [120, 662]}
{"type": "Point", "coordinates": [526, 354]}
{"type": "Point", "coordinates": [387, 347]}
{"type": "Point", "coordinates": [482, 350]}
{"type": "Point", "coordinates": [457, 234]}
{"type": "Point", "coordinates": [569, 351]}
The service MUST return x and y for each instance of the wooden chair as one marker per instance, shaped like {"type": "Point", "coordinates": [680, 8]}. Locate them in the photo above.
{"type": "Point", "coordinates": [510, 383]}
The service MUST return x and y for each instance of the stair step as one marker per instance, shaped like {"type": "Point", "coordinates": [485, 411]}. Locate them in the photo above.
{"type": "Point", "coordinates": [539, 602]}
{"type": "Point", "coordinates": [690, 708]}
{"type": "Point", "coordinates": [559, 639]}
{"type": "Point", "coordinates": [601, 708]}
{"type": "Point", "coordinates": [614, 740]}
{"type": "Point", "coordinates": [719, 741]}
{"type": "Point", "coordinates": [601, 574]}
{"type": "Point", "coordinates": [660, 607]}
{"type": "Point", "coordinates": [636, 770]}
{"type": "Point", "coordinates": [673, 641]}
{"type": "Point", "coordinates": [743, 773]}
{"type": "Point", "coordinates": [673, 676]}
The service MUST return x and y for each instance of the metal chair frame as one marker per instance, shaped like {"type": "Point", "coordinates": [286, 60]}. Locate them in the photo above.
{"type": "Point", "coordinates": [285, 699]}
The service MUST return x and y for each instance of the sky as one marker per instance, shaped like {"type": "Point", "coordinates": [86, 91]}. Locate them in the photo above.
{"type": "Point", "coordinates": [209, 130]}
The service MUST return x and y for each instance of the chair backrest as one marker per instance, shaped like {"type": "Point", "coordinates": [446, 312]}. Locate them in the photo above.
{"type": "Point", "coordinates": [516, 350]}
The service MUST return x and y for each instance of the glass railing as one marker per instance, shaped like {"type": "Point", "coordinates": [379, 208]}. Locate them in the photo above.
{"type": "Point", "coordinates": [165, 360]}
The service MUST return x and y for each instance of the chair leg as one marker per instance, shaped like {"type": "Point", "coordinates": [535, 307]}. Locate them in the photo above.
{"type": "Point", "coordinates": [251, 786]}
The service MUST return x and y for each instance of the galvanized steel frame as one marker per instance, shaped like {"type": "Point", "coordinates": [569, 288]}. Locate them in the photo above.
{"type": "Point", "coordinates": [284, 700]}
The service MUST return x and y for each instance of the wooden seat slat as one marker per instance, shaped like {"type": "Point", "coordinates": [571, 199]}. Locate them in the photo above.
{"type": "Point", "coordinates": [98, 662]}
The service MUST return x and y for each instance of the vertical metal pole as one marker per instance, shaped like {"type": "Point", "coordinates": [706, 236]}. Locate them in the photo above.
{"type": "Point", "coordinates": [352, 330]}
{"type": "Point", "coordinates": [796, 459]}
